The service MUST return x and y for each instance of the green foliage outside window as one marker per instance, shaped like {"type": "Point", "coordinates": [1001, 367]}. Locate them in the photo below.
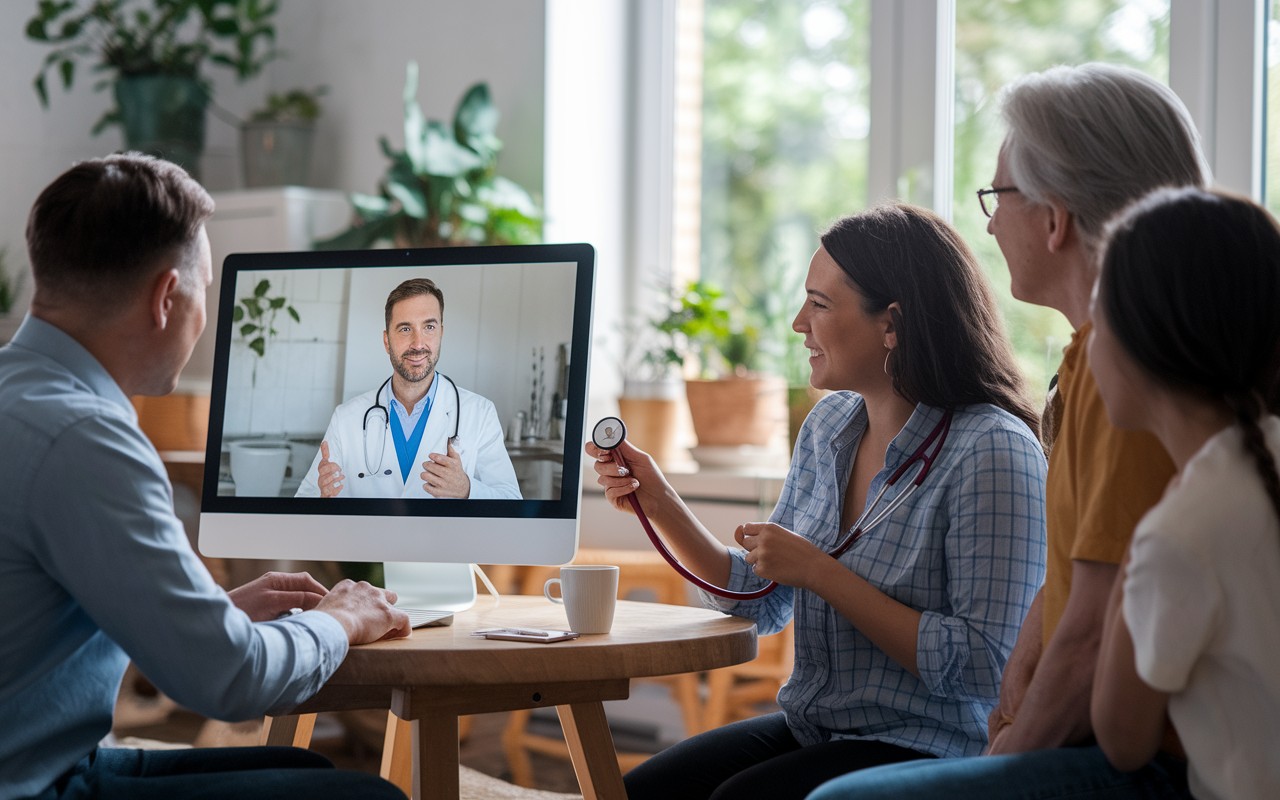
{"type": "Point", "coordinates": [785, 121]}
{"type": "Point", "coordinates": [997, 41]}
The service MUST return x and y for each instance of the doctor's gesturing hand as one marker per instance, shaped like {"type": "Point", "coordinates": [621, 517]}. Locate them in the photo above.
{"type": "Point", "coordinates": [443, 475]}
{"type": "Point", "coordinates": [330, 474]}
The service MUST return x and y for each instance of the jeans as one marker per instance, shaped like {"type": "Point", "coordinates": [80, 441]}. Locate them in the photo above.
{"type": "Point", "coordinates": [226, 773]}
{"type": "Point", "coordinates": [1079, 773]}
{"type": "Point", "coordinates": [755, 758]}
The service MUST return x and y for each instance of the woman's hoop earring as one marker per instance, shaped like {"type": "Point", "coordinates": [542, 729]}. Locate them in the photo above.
{"type": "Point", "coordinates": [886, 363]}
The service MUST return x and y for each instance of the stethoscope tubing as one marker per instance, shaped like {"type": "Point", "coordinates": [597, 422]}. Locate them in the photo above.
{"type": "Point", "coordinates": [921, 454]}
{"type": "Point", "coordinates": [364, 423]}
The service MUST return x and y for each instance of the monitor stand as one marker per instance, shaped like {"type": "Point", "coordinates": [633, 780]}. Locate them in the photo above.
{"type": "Point", "coordinates": [433, 587]}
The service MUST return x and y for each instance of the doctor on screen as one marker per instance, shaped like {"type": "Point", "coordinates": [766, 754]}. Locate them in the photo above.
{"type": "Point", "coordinates": [418, 434]}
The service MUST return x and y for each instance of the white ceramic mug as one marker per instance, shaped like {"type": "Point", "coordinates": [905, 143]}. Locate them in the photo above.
{"type": "Point", "coordinates": [589, 594]}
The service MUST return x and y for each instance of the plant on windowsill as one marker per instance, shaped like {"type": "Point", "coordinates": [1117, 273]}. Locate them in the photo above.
{"type": "Point", "coordinates": [155, 51]}
{"type": "Point", "coordinates": [652, 402]}
{"type": "Point", "coordinates": [443, 188]}
{"type": "Point", "coordinates": [731, 404]}
{"type": "Point", "coordinates": [276, 142]}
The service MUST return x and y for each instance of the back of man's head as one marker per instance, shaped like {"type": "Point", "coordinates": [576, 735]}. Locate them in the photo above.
{"type": "Point", "coordinates": [1097, 137]}
{"type": "Point", "coordinates": [105, 227]}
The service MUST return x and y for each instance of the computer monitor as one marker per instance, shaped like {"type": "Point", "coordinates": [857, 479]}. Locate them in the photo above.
{"type": "Point", "coordinates": [302, 368]}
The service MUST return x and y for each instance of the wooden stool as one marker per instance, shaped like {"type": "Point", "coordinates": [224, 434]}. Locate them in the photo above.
{"type": "Point", "coordinates": [639, 570]}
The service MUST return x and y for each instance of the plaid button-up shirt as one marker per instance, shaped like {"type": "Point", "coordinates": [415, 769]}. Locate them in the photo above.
{"type": "Point", "coordinates": [967, 550]}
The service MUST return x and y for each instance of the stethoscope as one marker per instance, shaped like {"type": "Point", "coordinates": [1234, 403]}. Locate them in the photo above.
{"type": "Point", "coordinates": [610, 432]}
{"type": "Point", "coordinates": [378, 409]}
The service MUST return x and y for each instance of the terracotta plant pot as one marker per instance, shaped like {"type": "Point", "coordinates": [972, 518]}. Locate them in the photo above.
{"type": "Point", "coordinates": [655, 418]}
{"type": "Point", "coordinates": [732, 412]}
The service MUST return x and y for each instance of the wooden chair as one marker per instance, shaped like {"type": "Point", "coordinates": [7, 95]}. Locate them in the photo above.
{"type": "Point", "coordinates": [639, 571]}
{"type": "Point", "coordinates": [733, 692]}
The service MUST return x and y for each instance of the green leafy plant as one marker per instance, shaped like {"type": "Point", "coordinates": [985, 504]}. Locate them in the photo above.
{"type": "Point", "coordinates": [164, 37]}
{"type": "Point", "coordinates": [260, 311]}
{"type": "Point", "coordinates": [299, 105]}
{"type": "Point", "coordinates": [10, 285]}
{"type": "Point", "coordinates": [443, 188]}
{"type": "Point", "coordinates": [703, 322]}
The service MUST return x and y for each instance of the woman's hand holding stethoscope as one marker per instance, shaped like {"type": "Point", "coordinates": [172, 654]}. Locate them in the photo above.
{"type": "Point", "coordinates": [641, 476]}
{"type": "Point", "coordinates": [776, 554]}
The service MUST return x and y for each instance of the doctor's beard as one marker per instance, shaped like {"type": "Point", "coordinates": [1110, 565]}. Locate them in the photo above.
{"type": "Point", "coordinates": [411, 373]}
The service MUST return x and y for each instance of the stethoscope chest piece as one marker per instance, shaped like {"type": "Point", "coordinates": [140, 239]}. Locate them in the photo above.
{"type": "Point", "coordinates": [608, 433]}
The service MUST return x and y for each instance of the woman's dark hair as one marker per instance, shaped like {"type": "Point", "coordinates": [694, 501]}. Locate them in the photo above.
{"type": "Point", "coordinates": [952, 349]}
{"type": "Point", "coordinates": [1190, 284]}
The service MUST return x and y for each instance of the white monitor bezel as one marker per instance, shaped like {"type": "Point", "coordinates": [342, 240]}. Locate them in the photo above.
{"type": "Point", "coordinates": [433, 530]}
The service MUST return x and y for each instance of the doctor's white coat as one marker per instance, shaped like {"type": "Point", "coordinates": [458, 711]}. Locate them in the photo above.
{"type": "Point", "coordinates": [480, 445]}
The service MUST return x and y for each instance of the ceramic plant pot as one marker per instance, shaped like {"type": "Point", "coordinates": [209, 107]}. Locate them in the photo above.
{"type": "Point", "coordinates": [276, 153]}
{"type": "Point", "coordinates": [163, 116]}
{"type": "Point", "coordinates": [258, 467]}
{"type": "Point", "coordinates": [738, 411]}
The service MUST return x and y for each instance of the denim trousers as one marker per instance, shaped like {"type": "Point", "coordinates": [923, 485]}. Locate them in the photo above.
{"type": "Point", "coordinates": [754, 758]}
{"type": "Point", "coordinates": [226, 773]}
{"type": "Point", "coordinates": [1079, 773]}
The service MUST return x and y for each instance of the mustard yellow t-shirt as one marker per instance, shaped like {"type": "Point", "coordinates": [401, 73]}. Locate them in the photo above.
{"type": "Point", "coordinates": [1101, 480]}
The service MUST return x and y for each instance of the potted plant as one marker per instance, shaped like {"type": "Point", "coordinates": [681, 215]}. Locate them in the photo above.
{"type": "Point", "coordinates": [10, 286]}
{"type": "Point", "coordinates": [653, 394]}
{"type": "Point", "coordinates": [154, 51]}
{"type": "Point", "coordinates": [258, 467]}
{"type": "Point", "coordinates": [443, 188]}
{"type": "Point", "coordinates": [731, 404]}
{"type": "Point", "coordinates": [276, 141]}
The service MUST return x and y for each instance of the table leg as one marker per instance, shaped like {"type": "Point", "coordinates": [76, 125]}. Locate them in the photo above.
{"type": "Point", "coordinates": [435, 750]}
{"type": "Point", "coordinates": [293, 730]}
{"type": "Point", "coordinates": [397, 754]}
{"type": "Point", "coordinates": [586, 731]}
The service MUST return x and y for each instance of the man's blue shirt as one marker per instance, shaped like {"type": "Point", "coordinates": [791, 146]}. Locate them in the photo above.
{"type": "Point", "coordinates": [95, 569]}
{"type": "Point", "coordinates": [406, 429]}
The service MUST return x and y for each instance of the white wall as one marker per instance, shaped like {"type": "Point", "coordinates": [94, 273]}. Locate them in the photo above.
{"type": "Point", "coordinates": [588, 151]}
{"type": "Point", "coordinates": [358, 49]}
{"type": "Point", "coordinates": [293, 388]}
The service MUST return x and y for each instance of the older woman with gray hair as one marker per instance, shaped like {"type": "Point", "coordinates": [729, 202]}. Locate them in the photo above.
{"type": "Point", "coordinates": [1083, 143]}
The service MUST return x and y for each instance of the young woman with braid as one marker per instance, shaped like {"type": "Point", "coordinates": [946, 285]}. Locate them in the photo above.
{"type": "Point", "coordinates": [1186, 344]}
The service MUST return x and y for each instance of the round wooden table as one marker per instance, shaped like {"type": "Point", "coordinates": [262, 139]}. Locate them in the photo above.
{"type": "Point", "coordinates": [437, 674]}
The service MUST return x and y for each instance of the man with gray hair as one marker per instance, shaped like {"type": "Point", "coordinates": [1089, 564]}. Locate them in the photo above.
{"type": "Point", "coordinates": [1082, 144]}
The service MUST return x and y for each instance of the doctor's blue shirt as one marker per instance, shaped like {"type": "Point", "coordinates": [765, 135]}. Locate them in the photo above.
{"type": "Point", "coordinates": [967, 550]}
{"type": "Point", "coordinates": [95, 569]}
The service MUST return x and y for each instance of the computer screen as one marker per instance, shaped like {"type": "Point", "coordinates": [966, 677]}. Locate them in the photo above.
{"type": "Point", "coordinates": [399, 405]}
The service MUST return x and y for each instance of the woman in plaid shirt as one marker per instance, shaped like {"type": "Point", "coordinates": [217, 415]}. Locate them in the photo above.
{"type": "Point", "coordinates": [900, 642]}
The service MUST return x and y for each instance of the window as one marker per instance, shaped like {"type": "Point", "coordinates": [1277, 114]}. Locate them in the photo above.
{"type": "Point", "coordinates": [785, 122]}
{"type": "Point", "coordinates": [996, 41]}
{"type": "Point", "coordinates": [1272, 144]}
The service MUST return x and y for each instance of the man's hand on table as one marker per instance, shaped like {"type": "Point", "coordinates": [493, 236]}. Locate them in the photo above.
{"type": "Point", "coordinates": [277, 593]}
{"type": "Point", "coordinates": [365, 612]}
